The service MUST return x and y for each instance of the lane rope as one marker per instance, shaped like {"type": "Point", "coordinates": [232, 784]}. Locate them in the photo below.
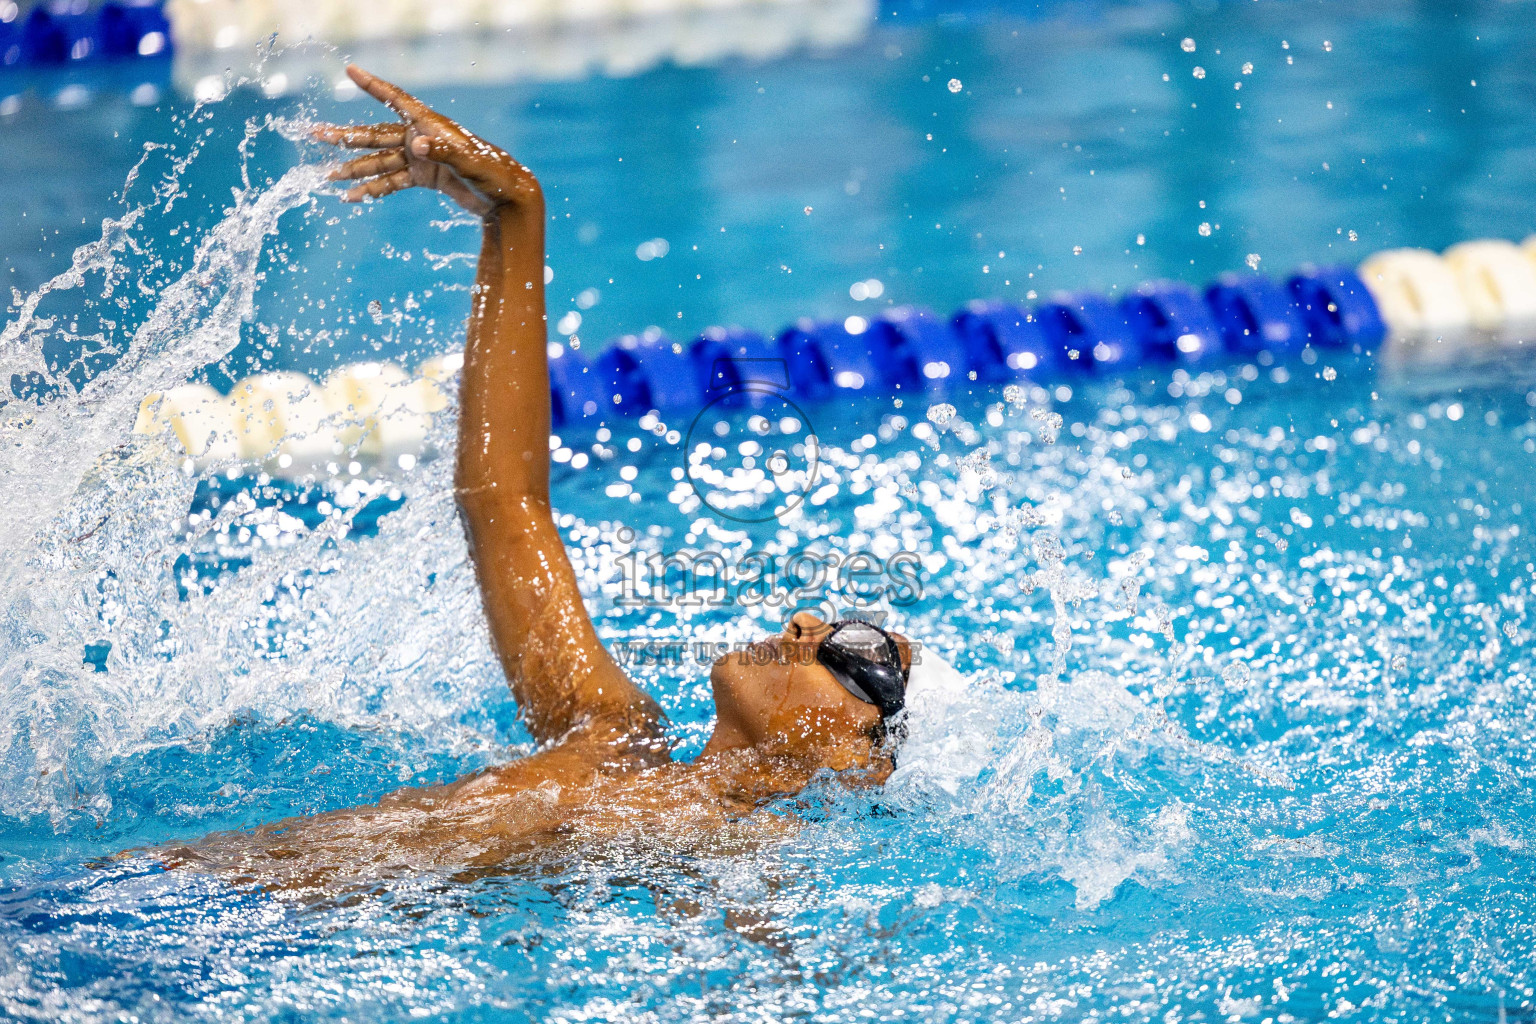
{"type": "Point", "coordinates": [372, 417]}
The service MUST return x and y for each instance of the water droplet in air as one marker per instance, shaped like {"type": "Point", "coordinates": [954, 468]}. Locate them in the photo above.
{"type": "Point", "coordinates": [1248, 67]}
{"type": "Point", "coordinates": [1048, 549]}
{"type": "Point", "coordinates": [954, 85]}
{"type": "Point", "coordinates": [1236, 675]}
{"type": "Point", "coordinates": [376, 310]}
{"type": "Point", "coordinates": [1077, 250]}
{"type": "Point", "coordinates": [940, 415]}
{"type": "Point", "coordinates": [1199, 72]}
{"type": "Point", "coordinates": [1205, 228]}
{"type": "Point", "coordinates": [1354, 236]}
{"type": "Point", "coordinates": [1016, 520]}
{"type": "Point", "coordinates": [1050, 424]}
{"type": "Point", "coordinates": [1253, 261]}
{"type": "Point", "coordinates": [1014, 395]}
{"type": "Point", "coordinates": [1399, 663]}
{"type": "Point", "coordinates": [1187, 45]}
{"type": "Point", "coordinates": [1327, 46]}
{"type": "Point", "coordinates": [980, 463]}
{"type": "Point", "coordinates": [807, 211]}
{"type": "Point", "coordinates": [1329, 373]}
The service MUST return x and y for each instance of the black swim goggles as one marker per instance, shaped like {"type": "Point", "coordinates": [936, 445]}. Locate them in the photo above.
{"type": "Point", "coordinates": [867, 661]}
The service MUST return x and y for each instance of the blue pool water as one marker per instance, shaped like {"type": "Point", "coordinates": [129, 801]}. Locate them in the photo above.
{"type": "Point", "coordinates": [1249, 725]}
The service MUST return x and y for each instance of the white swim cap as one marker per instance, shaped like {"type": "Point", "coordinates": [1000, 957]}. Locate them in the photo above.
{"type": "Point", "coordinates": [948, 731]}
{"type": "Point", "coordinates": [932, 677]}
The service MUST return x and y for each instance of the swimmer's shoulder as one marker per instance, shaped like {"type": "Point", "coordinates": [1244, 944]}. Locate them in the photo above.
{"type": "Point", "coordinates": [561, 774]}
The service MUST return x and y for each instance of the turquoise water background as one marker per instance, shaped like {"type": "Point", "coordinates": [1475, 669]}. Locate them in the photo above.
{"type": "Point", "coordinates": [1249, 729]}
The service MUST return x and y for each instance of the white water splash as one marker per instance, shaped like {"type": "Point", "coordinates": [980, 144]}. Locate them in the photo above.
{"type": "Point", "coordinates": [964, 753]}
{"type": "Point", "coordinates": [97, 537]}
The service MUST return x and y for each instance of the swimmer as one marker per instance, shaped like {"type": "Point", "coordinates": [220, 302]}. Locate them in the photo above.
{"type": "Point", "coordinates": [817, 698]}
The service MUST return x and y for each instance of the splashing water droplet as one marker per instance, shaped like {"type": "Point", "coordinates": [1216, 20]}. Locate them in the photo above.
{"type": "Point", "coordinates": [1329, 373]}
{"type": "Point", "coordinates": [940, 415]}
{"type": "Point", "coordinates": [1024, 517]}
{"type": "Point", "coordinates": [1204, 229]}
{"type": "Point", "coordinates": [1187, 45]}
{"type": "Point", "coordinates": [954, 85]}
{"type": "Point", "coordinates": [1253, 261]}
{"type": "Point", "coordinates": [1048, 549]}
{"type": "Point", "coordinates": [1199, 72]}
{"type": "Point", "coordinates": [1014, 396]}
{"type": "Point", "coordinates": [1050, 424]}
{"type": "Point", "coordinates": [980, 463]}
{"type": "Point", "coordinates": [1237, 675]}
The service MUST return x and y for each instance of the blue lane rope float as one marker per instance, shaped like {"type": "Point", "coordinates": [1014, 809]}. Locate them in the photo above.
{"type": "Point", "coordinates": [70, 31]}
{"type": "Point", "coordinates": [1173, 323]}
{"type": "Point", "coordinates": [921, 350]}
{"type": "Point", "coordinates": [133, 30]}
{"type": "Point", "coordinates": [826, 358]}
{"type": "Point", "coordinates": [649, 371]}
{"type": "Point", "coordinates": [1256, 314]}
{"type": "Point", "coordinates": [1336, 309]}
{"type": "Point", "coordinates": [1006, 341]}
{"type": "Point", "coordinates": [1090, 330]}
{"type": "Point", "coordinates": [734, 359]}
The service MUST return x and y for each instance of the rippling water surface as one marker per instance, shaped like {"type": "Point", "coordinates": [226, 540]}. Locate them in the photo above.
{"type": "Point", "coordinates": [1244, 732]}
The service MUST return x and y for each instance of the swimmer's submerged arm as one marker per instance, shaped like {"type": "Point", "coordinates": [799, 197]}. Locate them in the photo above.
{"type": "Point", "coordinates": [563, 678]}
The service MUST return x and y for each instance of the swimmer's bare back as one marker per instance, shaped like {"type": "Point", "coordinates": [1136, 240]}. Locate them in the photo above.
{"type": "Point", "coordinates": [603, 768]}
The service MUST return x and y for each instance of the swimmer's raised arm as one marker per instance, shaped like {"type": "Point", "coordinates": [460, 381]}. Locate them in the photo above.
{"type": "Point", "coordinates": [566, 683]}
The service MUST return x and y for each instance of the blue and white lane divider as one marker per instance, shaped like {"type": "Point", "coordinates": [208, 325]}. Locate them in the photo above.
{"type": "Point", "coordinates": [369, 416]}
{"type": "Point", "coordinates": [54, 32]}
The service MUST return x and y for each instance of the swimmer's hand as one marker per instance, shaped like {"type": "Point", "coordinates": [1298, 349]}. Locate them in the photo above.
{"type": "Point", "coordinates": [428, 150]}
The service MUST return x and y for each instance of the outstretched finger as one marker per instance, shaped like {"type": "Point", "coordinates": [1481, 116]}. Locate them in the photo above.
{"type": "Point", "coordinates": [370, 165]}
{"type": "Point", "coordinates": [378, 188]}
{"type": "Point", "coordinates": [361, 136]}
{"type": "Point", "coordinates": [387, 93]}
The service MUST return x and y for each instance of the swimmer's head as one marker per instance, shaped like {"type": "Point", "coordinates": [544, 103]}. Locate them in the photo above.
{"type": "Point", "coordinates": [779, 697]}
